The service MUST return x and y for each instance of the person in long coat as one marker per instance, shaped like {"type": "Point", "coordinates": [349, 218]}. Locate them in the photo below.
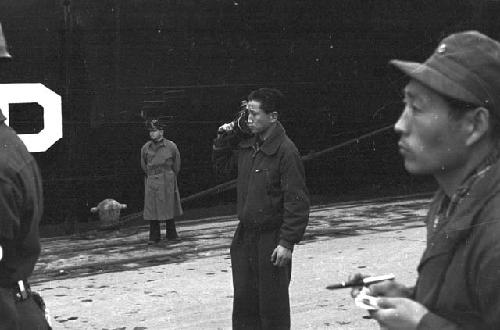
{"type": "Point", "coordinates": [161, 163]}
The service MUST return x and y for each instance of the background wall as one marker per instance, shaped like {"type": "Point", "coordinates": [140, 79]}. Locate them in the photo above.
{"type": "Point", "coordinates": [116, 62]}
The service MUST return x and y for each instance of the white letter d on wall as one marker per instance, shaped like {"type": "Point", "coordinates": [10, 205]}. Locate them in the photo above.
{"type": "Point", "coordinates": [52, 112]}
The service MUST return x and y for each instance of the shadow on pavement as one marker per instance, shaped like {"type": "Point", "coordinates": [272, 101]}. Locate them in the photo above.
{"type": "Point", "coordinates": [126, 249]}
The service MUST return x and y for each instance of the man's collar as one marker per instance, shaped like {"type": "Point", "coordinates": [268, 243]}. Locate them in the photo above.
{"type": "Point", "coordinates": [474, 188]}
{"type": "Point", "coordinates": [267, 133]}
{"type": "Point", "coordinates": [479, 170]}
{"type": "Point", "coordinates": [157, 144]}
{"type": "Point", "coordinates": [458, 214]}
{"type": "Point", "coordinates": [271, 144]}
{"type": "Point", "coordinates": [162, 139]}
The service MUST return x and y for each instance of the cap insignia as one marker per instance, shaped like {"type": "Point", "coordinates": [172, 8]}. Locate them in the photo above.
{"type": "Point", "coordinates": [441, 49]}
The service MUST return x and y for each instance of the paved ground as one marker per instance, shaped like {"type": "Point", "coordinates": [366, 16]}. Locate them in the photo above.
{"type": "Point", "coordinates": [113, 280]}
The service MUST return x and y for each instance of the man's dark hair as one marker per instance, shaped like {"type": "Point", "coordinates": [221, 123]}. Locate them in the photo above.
{"type": "Point", "coordinates": [271, 99]}
{"type": "Point", "coordinates": [459, 108]}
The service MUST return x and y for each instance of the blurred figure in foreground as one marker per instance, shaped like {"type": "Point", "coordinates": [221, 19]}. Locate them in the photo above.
{"type": "Point", "coordinates": [21, 207]}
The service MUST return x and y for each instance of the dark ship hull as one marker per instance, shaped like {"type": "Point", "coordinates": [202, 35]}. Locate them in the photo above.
{"type": "Point", "coordinates": [116, 62]}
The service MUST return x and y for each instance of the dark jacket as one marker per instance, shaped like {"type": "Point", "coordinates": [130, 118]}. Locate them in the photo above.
{"type": "Point", "coordinates": [271, 183]}
{"type": "Point", "coordinates": [21, 207]}
{"type": "Point", "coordinates": [459, 273]}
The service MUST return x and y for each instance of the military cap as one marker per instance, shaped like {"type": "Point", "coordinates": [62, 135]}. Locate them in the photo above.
{"type": "Point", "coordinates": [154, 124]}
{"type": "Point", "coordinates": [465, 66]}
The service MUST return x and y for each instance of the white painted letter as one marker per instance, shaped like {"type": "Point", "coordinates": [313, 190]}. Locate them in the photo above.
{"type": "Point", "coordinates": [52, 112]}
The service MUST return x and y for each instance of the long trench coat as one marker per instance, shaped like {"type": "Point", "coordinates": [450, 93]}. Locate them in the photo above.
{"type": "Point", "coordinates": [161, 163]}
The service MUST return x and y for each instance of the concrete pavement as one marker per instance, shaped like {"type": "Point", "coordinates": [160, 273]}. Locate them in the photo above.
{"type": "Point", "coordinates": [113, 280]}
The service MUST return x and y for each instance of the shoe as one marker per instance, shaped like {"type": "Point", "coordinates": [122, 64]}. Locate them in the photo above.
{"type": "Point", "coordinates": [153, 242]}
{"type": "Point", "coordinates": [174, 239]}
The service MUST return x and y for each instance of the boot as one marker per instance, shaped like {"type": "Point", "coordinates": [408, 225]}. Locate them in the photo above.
{"type": "Point", "coordinates": [154, 232]}
{"type": "Point", "coordinates": [172, 231]}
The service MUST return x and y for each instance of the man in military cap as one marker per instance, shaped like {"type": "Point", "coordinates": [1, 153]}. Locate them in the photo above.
{"type": "Point", "coordinates": [449, 128]}
{"type": "Point", "coordinates": [161, 163]}
{"type": "Point", "coordinates": [21, 207]}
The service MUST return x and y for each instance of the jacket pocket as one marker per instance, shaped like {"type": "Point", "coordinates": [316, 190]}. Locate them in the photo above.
{"type": "Point", "coordinates": [268, 191]}
{"type": "Point", "coordinates": [258, 201]}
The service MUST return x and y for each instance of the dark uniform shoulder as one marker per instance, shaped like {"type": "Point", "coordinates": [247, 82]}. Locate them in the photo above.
{"type": "Point", "coordinates": [288, 145]}
{"type": "Point", "coordinates": [146, 145]}
{"type": "Point", "coordinates": [13, 153]}
{"type": "Point", "coordinates": [169, 143]}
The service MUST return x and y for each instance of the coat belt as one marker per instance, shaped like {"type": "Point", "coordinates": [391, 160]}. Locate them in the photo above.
{"type": "Point", "coordinates": [156, 170]}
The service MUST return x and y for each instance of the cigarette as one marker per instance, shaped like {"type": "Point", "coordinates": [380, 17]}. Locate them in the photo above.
{"type": "Point", "coordinates": [361, 282]}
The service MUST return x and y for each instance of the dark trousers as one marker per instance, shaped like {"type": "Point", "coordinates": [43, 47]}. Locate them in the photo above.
{"type": "Point", "coordinates": [20, 315]}
{"type": "Point", "coordinates": [154, 230]}
{"type": "Point", "coordinates": [261, 298]}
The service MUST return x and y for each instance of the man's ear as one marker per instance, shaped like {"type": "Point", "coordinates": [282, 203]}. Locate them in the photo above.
{"type": "Point", "coordinates": [274, 116]}
{"type": "Point", "coordinates": [478, 124]}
